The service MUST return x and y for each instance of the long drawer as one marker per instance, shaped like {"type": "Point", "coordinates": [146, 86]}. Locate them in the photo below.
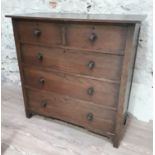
{"type": "Point", "coordinates": [73, 61]}
{"type": "Point", "coordinates": [99, 92]}
{"type": "Point", "coordinates": [90, 116]}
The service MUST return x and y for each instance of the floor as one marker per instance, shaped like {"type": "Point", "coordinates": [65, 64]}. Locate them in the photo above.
{"type": "Point", "coordinates": [44, 136]}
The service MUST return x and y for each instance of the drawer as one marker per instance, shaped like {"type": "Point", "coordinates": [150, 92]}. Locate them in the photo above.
{"type": "Point", "coordinates": [106, 38]}
{"type": "Point", "coordinates": [83, 88]}
{"type": "Point", "coordinates": [72, 61]}
{"type": "Point", "coordinates": [39, 32]}
{"type": "Point", "coordinates": [83, 113]}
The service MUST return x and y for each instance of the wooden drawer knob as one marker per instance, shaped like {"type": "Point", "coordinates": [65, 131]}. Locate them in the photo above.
{"type": "Point", "coordinates": [90, 91]}
{"type": "Point", "coordinates": [37, 32]}
{"type": "Point", "coordinates": [91, 64]}
{"type": "Point", "coordinates": [92, 37]}
{"type": "Point", "coordinates": [44, 104]}
{"type": "Point", "coordinates": [42, 81]}
{"type": "Point", "coordinates": [89, 116]}
{"type": "Point", "coordinates": [39, 56]}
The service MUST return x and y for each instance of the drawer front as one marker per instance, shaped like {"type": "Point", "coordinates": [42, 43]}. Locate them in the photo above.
{"type": "Point", "coordinates": [85, 114]}
{"type": "Point", "coordinates": [85, 63]}
{"type": "Point", "coordinates": [87, 89]}
{"type": "Point", "coordinates": [40, 32]}
{"type": "Point", "coordinates": [107, 38]}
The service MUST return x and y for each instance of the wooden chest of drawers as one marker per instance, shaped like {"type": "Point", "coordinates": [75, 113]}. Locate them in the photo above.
{"type": "Point", "coordinates": [78, 68]}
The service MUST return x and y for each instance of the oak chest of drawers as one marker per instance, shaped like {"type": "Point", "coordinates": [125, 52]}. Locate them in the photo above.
{"type": "Point", "coordinates": [78, 68]}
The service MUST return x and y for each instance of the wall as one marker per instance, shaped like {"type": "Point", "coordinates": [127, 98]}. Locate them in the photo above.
{"type": "Point", "coordinates": [141, 103]}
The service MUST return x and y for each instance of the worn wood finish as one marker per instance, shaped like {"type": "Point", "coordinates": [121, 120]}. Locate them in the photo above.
{"type": "Point", "coordinates": [97, 18]}
{"type": "Point", "coordinates": [16, 36]}
{"type": "Point", "coordinates": [126, 78]}
{"type": "Point", "coordinates": [40, 32]}
{"type": "Point", "coordinates": [74, 61]}
{"type": "Point", "coordinates": [132, 65]}
{"type": "Point", "coordinates": [109, 38]}
{"type": "Point", "coordinates": [103, 93]}
{"type": "Point", "coordinates": [81, 64]}
{"type": "Point", "coordinates": [72, 110]}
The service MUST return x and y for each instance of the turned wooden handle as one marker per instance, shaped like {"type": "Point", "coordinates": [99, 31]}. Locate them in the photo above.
{"type": "Point", "coordinates": [90, 91]}
{"type": "Point", "coordinates": [90, 116]}
{"type": "Point", "coordinates": [42, 81]}
{"type": "Point", "coordinates": [37, 32]}
{"type": "Point", "coordinates": [91, 64]}
{"type": "Point", "coordinates": [44, 104]}
{"type": "Point", "coordinates": [39, 56]}
{"type": "Point", "coordinates": [92, 37]}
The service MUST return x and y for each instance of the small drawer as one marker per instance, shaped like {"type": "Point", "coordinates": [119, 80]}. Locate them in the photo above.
{"type": "Point", "coordinates": [102, 93]}
{"type": "Point", "coordinates": [86, 114]}
{"type": "Point", "coordinates": [104, 38]}
{"type": "Point", "coordinates": [40, 32]}
{"type": "Point", "coordinates": [74, 61]}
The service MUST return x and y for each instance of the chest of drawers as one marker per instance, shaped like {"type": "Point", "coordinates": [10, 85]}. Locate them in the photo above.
{"type": "Point", "coordinates": [78, 68]}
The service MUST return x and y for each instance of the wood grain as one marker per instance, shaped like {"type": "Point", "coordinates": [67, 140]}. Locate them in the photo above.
{"type": "Point", "coordinates": [104, 93]}
{"type": "Point", "coordinates": [72, 110]}
{"type": "Point", "coordinates": [108, 37]}
{"type": "Point", "coordinates": [77, 17]}
{"type": "Point", "coordinates": [82, 64]}
{"type": "Point", "coordinates": [50, 32]}
{"type": "Point", "coordinates": [124, 93]}
{"type": "Point", "coordinates": [73, 61]}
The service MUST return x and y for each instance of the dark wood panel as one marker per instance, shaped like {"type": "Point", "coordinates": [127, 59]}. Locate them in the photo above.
{"type": "Point", "coordinates": [90, 116]}
{"type": "Point", "coordinates": [121, 53]}
{"type": "Point", "coordinates": [131, 68]}
{"type": "Point", "coordinates": [124, 91]}
{"type": "Point", "coordinates": [74, 61]}
{"type": "Point", "coordinates": [19, 57]}
{"type": "Point", "coordinates": [90, 90]}
{"type": "Point", "coordinates": [109, 38]}
{"type": "Point", "coordinates": [40, 32]}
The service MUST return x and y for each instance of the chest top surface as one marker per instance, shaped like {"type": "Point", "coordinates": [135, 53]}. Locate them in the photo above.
{"type": "Point", "coordinates": [108, 18]}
